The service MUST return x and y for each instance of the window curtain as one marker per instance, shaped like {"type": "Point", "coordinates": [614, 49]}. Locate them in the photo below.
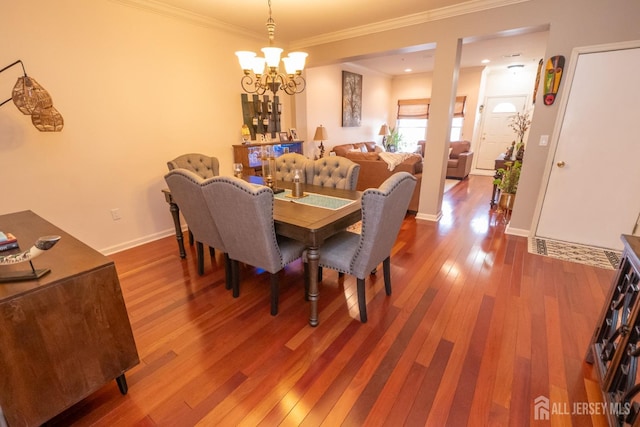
{"type": "Point", "coordinates": [458, 110]}
{"type": "Point", "coordinates": [419, 108]}
{"type": "Point", "coordinates": [413, 108]}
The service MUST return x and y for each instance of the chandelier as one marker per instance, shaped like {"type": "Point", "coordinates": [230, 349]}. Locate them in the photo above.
{"type": "Point", "coordinates": [256, 80]}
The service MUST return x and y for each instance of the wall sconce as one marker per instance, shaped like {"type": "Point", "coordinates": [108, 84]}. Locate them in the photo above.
{"type": "Point", "coordinates": [321, 135]}
{"type": "Point", "coordinates": [32, 99]}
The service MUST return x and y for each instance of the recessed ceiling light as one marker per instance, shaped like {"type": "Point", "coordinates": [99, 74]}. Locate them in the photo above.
{"type": "Point", "coordinates": [408, 70]}
{"type": "Point", "coordinates": [515, 66]}
{"type": "Point", "coordinates": [485, 61]}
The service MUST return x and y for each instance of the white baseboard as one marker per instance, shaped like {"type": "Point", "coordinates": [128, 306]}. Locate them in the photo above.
{"type": "Point", "coordinates": [141, 241]}
{"type": "Point", "coordinates": [427, 217]}
{"type": "Point", "coordinates": [516, 231]}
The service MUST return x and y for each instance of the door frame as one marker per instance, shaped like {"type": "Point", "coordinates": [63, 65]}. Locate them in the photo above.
{"type": "Point", "coordinates": [481, 131]}
{"type": "Point", "coordinates": [568, 77]}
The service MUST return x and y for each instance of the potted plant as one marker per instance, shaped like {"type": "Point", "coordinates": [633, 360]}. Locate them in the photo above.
{"type": "Point", "coordinates": [520, 123]}
{"type": "Point", "coordinates": [392, 141]}
{"type": "Point", "coordinates": [507, 182]}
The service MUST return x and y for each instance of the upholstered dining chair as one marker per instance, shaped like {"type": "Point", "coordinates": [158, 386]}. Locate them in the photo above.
{"type": "Point", "coordinates": [186, 189]}
{"type": "Point", "coordinates": [243, 213]}
{"type": "Point", "coordinates": [205, 166]}
{"type": "Point", "coordinates": [333, 171]}
{"type": "Point", "coordinates": [286, 165]}
{"type": "Point", "coordinates": [383, 210]}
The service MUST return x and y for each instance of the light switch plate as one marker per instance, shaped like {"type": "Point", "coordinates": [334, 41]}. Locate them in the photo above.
{"type": "Point", "coordinates": [544, 140]}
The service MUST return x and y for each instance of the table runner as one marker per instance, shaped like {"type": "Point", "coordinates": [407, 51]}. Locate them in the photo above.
{"type": "Point", "coordinates": [317, 200]}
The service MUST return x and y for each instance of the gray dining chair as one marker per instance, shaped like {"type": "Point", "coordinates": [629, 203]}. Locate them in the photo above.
{"type": "Point", "coordinates": [203, 166]}
{"type": "Point", "coordinates": [186, 189]}
{"type": "Point", "coordinates": [333, 171]}
{"type": "Point", "coordinates": [243, 213]}
{"type": "Point", "coordinates": [286, 165]}
{"type": "Point", "coordinates": [383, 210]}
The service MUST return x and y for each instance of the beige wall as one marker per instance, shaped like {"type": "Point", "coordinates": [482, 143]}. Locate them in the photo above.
{"type": "Point", "coordinates": [138, 88]}
{"type": "Point", "coordinates": [323, 98]}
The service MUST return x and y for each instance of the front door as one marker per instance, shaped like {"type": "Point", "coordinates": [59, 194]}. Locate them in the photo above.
{"type": "Point", "coordinates": [496, 133]}
{"type": "Point", "coordinates": [593, 191]}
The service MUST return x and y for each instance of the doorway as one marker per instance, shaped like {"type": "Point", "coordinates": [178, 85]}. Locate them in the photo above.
{"type": "Point", "coordinates": [496, 135]}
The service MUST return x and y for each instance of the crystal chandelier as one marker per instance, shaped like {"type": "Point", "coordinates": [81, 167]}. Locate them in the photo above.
{"type": "Point", "coordinates": [256, 80]}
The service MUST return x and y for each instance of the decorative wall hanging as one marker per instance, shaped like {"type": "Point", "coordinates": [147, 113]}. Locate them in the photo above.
{"type": "Point", "coordinates": [351, 99]}
{"type": "Point", "coordinates": [261, 115]}
{"type": "Point", "coordinates": [552, 77]}
{"type": "Point", "coordinates": [535, 87]}
{"type": "Point", "coordinates": [32, 99]}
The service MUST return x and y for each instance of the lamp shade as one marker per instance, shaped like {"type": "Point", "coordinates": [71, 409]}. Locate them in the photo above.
{"type": "Point", "coordinates": [321, 134]}
{"type": "Point", "coordinates": [246, 59]}
{"type": "Point", "coordinates": [272, 55]}
{"type": "Point", "coordinates": [29, 96]}
{"type": "Point", "coordinates": [384, 130]}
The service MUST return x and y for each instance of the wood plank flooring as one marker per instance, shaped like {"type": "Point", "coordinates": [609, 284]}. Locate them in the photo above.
{"type": "Point", "coordinates": [475, 330]}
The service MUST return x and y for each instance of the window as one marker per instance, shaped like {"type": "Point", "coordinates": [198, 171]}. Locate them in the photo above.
{"type": "Point", "coordinates": [412, 122]}
{"type": "Point", "coordinates": [413, 119]}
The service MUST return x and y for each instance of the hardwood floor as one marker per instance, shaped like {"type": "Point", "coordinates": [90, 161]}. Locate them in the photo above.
{"type": "Point", "coordinates": [475, 330]}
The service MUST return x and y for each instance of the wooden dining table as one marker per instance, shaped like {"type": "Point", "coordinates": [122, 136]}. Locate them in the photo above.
{"type": "Point", "coordinates": [307, 223]}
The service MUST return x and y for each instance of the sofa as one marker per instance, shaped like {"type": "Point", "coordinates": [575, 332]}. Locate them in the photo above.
{"type": "Point", "coordinates": [460, 158]}
{"type": "Point", "coordinates": [374, 171]}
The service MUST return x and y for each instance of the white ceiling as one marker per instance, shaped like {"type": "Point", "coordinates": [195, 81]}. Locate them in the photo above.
{"type": "Point", "coordinates": [308, 22]}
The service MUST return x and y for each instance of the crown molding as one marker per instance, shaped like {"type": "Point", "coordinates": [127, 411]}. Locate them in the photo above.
{"type": "Point", "coordinates": [184, 14]}
{"type": "Point", "coordinates": [471, 6]}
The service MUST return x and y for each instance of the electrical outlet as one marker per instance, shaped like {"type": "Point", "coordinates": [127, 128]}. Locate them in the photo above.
{"type": "Point", "coordinates": [115, 214]}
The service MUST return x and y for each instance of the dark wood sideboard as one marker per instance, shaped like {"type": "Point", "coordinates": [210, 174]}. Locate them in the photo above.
{"type": "Point", "coordinates": [64, 335]}
{"type": "Point", "coordinates": [615, 346]}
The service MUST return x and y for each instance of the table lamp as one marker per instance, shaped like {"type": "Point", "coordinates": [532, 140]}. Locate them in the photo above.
{"type": "Point", "coordinates": [384, 131]}
{"type": "Point", "coordinates": [321, 135]}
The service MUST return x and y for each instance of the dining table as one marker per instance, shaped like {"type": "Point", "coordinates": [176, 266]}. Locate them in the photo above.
{"type": "Point", "coordinates": [319, 214]}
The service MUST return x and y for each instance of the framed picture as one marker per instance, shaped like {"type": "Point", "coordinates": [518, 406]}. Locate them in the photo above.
{"type": "Point", "coordinates": [351, 99]}
{"type": "Point", "coordinates": [284, 136]}
{"type": "Point", "coordinates": [294, 134]}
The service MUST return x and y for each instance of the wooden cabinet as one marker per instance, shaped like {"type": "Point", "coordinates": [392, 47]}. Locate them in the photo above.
{"type": "Point", "coordinates": [249, 154]}
{"type": "Point", "coordinates": [616, 341]}
{"type": "Point", "coordinates": [64, 335]}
